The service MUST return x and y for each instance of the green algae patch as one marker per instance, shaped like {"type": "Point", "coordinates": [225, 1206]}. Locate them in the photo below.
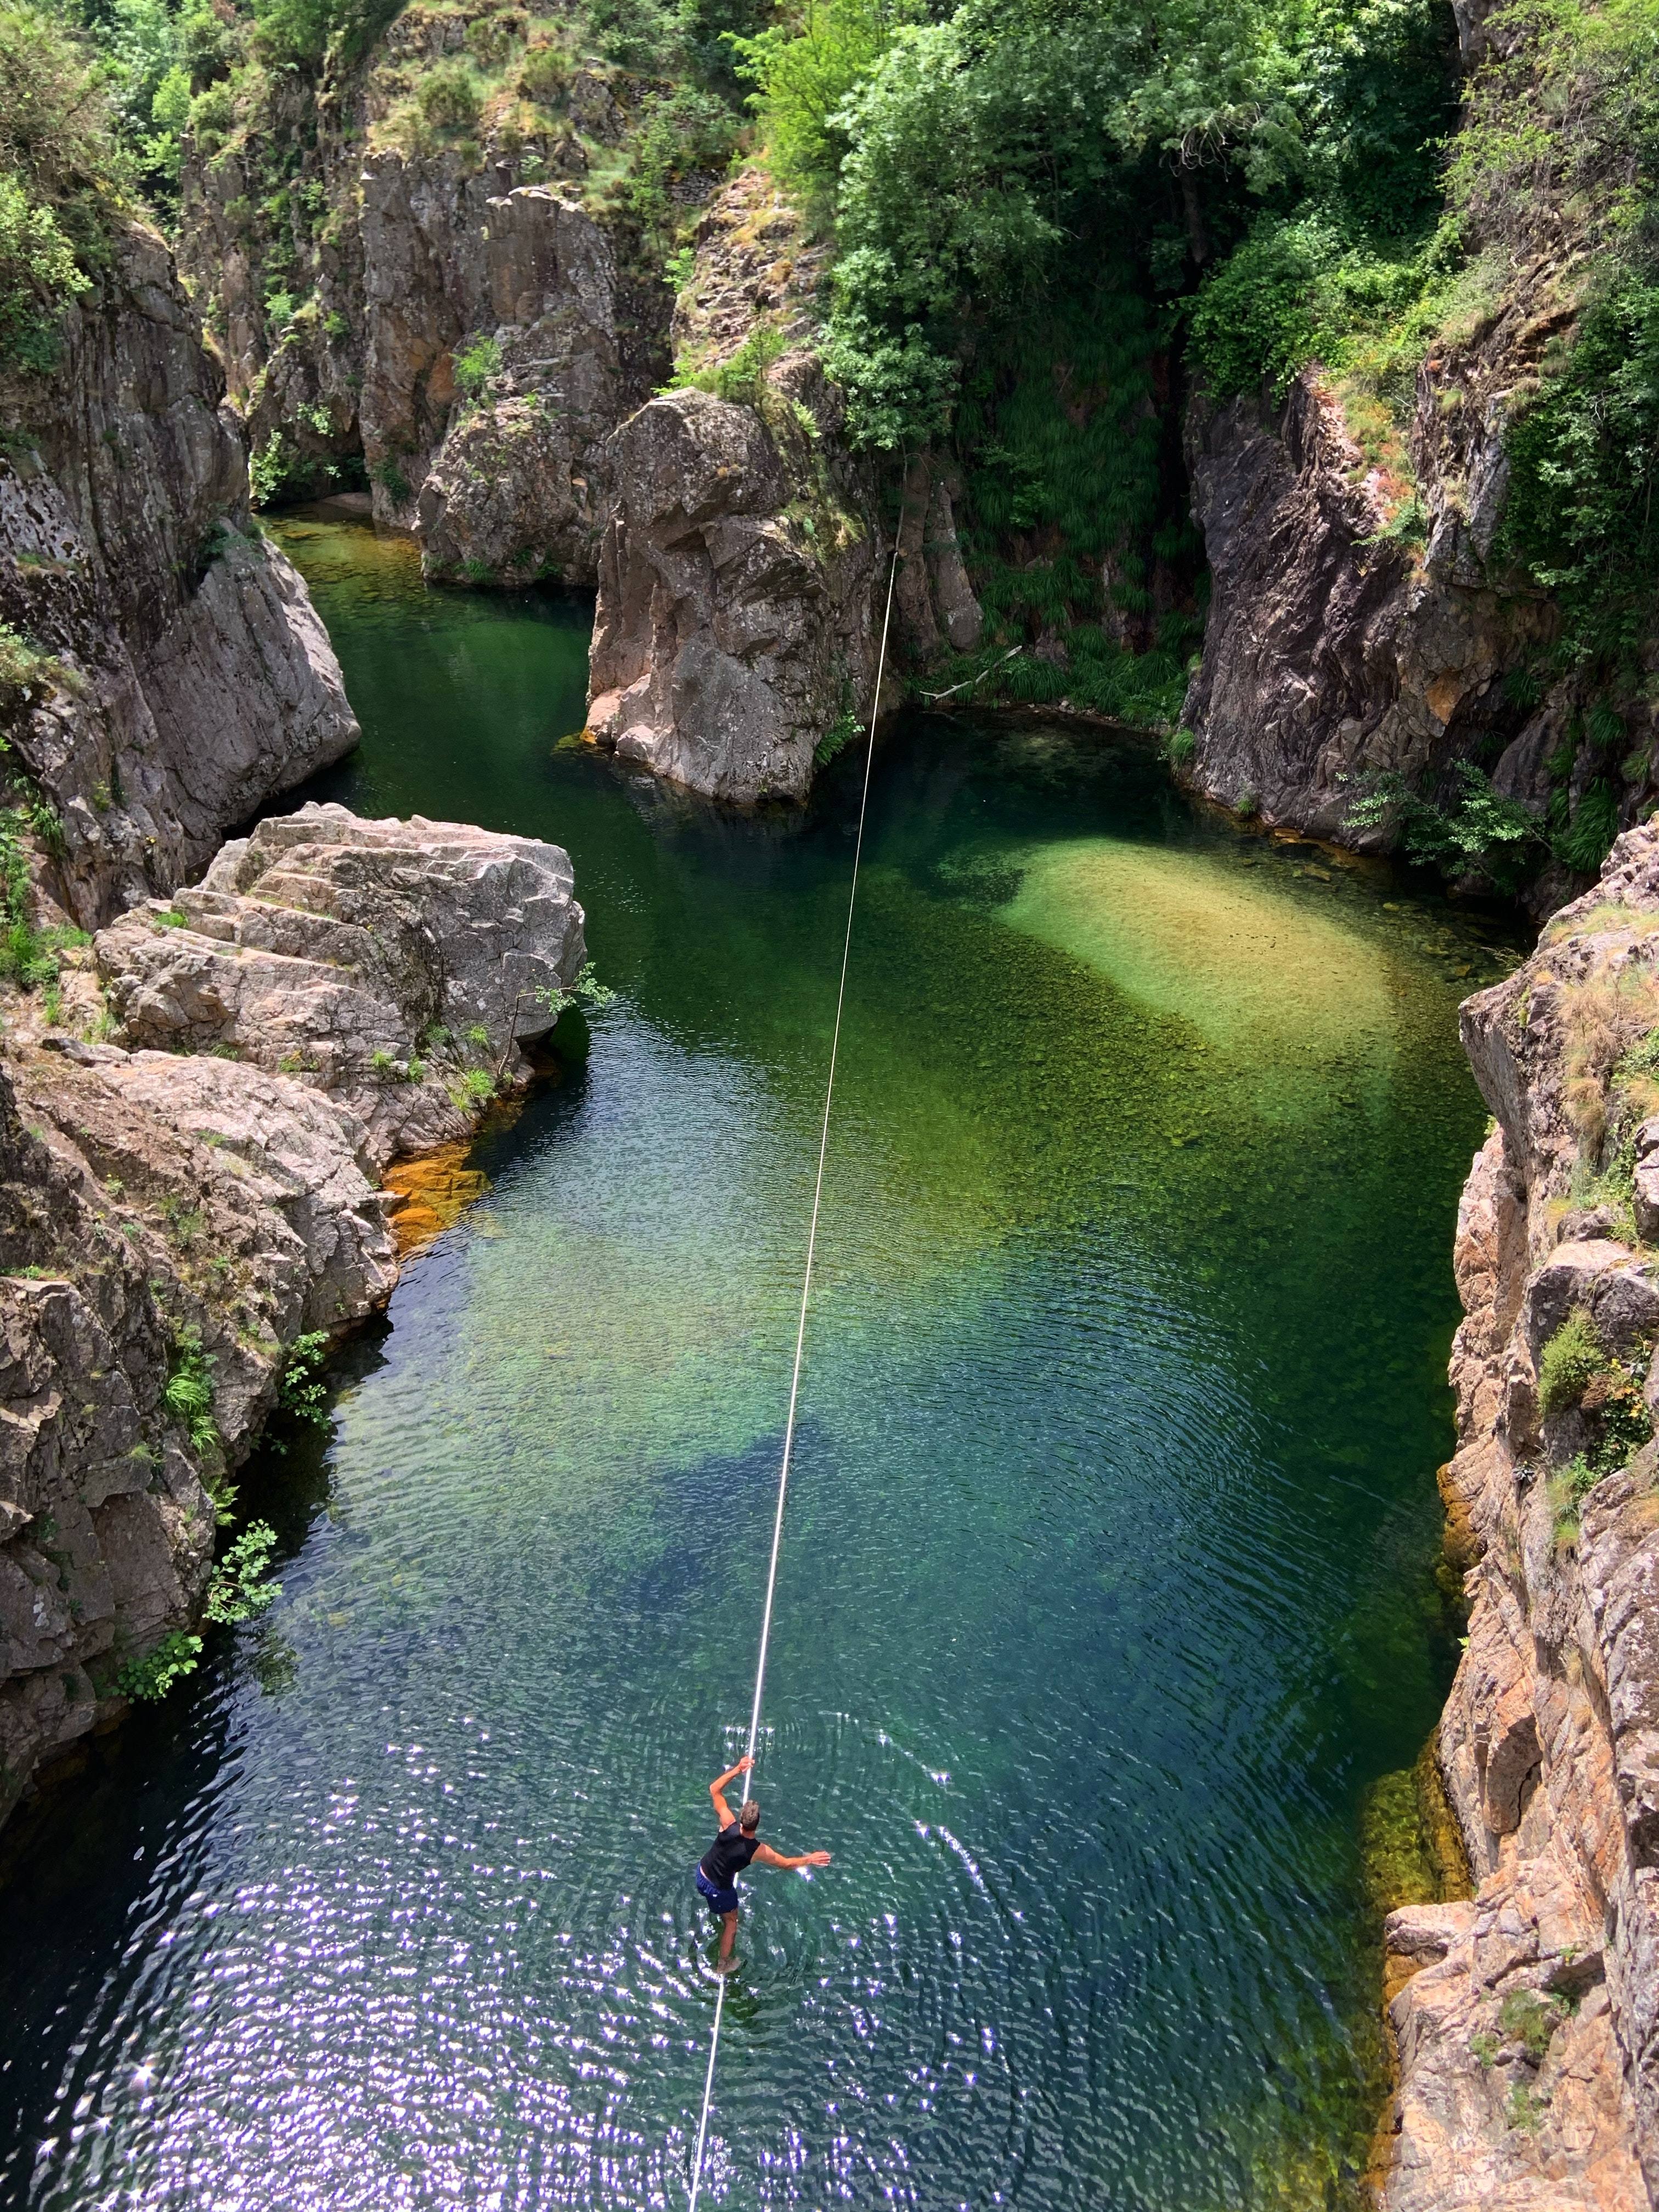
{"type": "Point", "coordinates": [1257, 971]}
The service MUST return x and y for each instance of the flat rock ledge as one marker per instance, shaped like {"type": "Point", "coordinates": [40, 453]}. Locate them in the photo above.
{"type": "Point", "coordinates": [402, 968]}
{"type": "Point", "coordinates": [334, 992]}
{"type": "Point", "coordinates": [1527, 2019]}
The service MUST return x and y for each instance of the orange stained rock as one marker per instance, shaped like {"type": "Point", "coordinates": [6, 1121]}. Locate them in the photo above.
{"type": "Point", "coordinates": [433, 1190]}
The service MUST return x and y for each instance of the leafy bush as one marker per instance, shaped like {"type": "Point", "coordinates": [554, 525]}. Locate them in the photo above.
{"type": "Point", "coordinates": [1573, 1355]}
{"type": "Point", "coordinates": [1474, 828]}
{"type": "Point", "coordinates": [1583, 464]}
{"type": "Point", "coordinates": [241, 1587]}
{"type": "Point", "coordinates": [803, 70]}
{"type": "Point", "coordinates": [476, 363]}
{"type": "Point", "coordinates": [301, 1391]}
{"type": "Point", "coordinates": [150, 1678]}
{"type": "Point", "coordinates": [60, 177]}
{"type": "Point", "coordinates": [448, 96]}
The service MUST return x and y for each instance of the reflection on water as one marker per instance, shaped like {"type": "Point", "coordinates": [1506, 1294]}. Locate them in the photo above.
{"type": "Point", "coordinates": [1106, 1589]}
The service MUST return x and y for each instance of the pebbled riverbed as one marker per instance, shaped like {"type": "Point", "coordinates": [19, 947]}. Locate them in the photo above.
{"type": "Point", "coordinates": [1107, 1590]}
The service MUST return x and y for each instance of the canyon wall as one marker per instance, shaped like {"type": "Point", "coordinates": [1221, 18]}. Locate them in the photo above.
{"type": "Point", "coordinates": [182, 679]}
{"type": "Point", "coordinates": [1529, 2028]}
{"type": "Point", "coordinates": [445, 315]}
{"type": "Point", "coordinates": [1340, 644]}
{"type": "Point", "coordinates": [172, 1220]}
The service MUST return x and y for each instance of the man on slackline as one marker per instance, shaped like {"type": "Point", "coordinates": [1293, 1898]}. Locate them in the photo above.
{"type": "Point", "coordinates": [729, 1852]}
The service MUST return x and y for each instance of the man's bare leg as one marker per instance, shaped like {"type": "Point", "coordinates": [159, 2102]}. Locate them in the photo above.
{"type": "Point", "coordinates": [728, 1936]}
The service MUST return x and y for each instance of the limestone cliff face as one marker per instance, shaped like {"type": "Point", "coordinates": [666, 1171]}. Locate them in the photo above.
{"type": "Point", "coordinates": [194, 681]}
{"type": "Point", "coordinates": [211, 1201]}
{"type": "Point", "coordinates": [735, 636]}
{"type": "Point", "coordinates": [1529, 2038]}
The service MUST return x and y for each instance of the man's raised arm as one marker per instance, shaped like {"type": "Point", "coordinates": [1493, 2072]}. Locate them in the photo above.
{"type": "Point", "coordinates": [723, 1811]}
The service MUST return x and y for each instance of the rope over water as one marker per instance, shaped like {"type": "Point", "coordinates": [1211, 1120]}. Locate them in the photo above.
{"type": "Point", "coordinates": [800, 1326]}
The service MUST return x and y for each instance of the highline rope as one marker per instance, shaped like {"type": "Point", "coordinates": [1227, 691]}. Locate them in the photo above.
{"type": "Point", "coordinates": [800, 1326]}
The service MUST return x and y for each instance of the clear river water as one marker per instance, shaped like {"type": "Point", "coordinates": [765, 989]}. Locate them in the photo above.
{"type": "Point", "coordinates": [1107, 1588]}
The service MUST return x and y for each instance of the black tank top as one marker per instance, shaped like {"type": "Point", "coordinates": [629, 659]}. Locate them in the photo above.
{"type": "Point", "coordinates": [729, 1854]}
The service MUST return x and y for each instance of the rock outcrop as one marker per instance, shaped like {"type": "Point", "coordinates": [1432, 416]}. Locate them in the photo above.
{"type": "Point", "coordinates": [1529, 2038]}
{"type": "Point", "coordinates": [1335, 650]}
{"type": "Point", "coordinates": [156, 1213]}
{"type": "Point", "coordinates": [400, 257]}
{"type": "Point", "coordinates": [186, 678]}
{"type": "Point", "coordinates": [518, 488]}
{"type": "Point", "coordinates": [401, 967]}
{"type": "Point", "coordinates": [193, 1210]}
{"type": "Point", "coordinates": [735, 636]}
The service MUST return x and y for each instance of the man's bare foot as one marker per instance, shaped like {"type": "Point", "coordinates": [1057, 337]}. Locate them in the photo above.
{"type": "Point", "coordinates": [727, 1965]}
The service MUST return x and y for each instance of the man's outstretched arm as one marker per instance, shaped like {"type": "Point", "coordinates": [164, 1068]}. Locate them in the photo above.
{"type": "Point", "coordinates": [723, 1811]}
{"type": "Point", "coordinates": [768, 1856]}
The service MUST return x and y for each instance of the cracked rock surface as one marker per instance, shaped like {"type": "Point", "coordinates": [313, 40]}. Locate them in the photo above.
{"type": "Point", "coordinates": [382, 962]}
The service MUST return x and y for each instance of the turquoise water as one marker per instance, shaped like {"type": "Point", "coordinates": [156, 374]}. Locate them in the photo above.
{"type": "Point", "coordinates": [1107, 1587]}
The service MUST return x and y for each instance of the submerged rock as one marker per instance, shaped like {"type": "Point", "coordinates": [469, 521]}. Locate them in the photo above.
{"type": "Point", "coordinates": [400, 967]}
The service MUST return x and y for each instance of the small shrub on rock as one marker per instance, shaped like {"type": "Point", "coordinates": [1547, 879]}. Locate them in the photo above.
{"type": "Point", "coordinates": [1573, 1355]}
{"type": "Point", "coordinates": [448, 97]}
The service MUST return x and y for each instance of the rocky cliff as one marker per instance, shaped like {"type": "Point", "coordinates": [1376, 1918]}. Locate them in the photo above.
{"type": "Point", "coordinates": [432, 301]}
{"type": "Point", "coordinates": [737, 626]}
{"type": "Point", "coordinates": [171, 1221]}
{"type": "Point", "coordinates": [1529, 2029]}
{"type": "Point", "coordinates": [177, 677]}
{"type": "Point", "coordinates": [1376, 624]}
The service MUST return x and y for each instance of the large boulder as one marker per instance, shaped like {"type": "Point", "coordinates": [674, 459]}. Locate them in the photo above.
{"type": "Point", "coordinates": [736, 624]}
{"type": "Point", "coordinates": [399, 967]}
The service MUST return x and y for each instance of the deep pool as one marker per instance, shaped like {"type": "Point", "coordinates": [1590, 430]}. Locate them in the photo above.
{"type": "Point", "coordinates": [1107, 1590]}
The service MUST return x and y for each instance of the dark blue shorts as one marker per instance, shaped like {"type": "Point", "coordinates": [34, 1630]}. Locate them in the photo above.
{"type": "Point", "coordinates": [719, 1901]}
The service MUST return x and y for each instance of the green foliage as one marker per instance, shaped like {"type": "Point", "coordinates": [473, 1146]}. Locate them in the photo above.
{"type": "Point", "coordinates": [1524, 2110]}
{"type": "Point", "coordinates": [1583, 461]}
{"type": "Point", "coordinates": [448, 96]}
{"type": "Point", "coordinates": [587, 990]}
{"type": "Point", "coordinates": [1474, 827]}
{"type": "Point", "coordinates": [675, 133]}
{"type": "Point", "coordinates": [241, 1587]}
{"type": "Point", "coordinates": [1530, 2020]}
{"type": "Point", "coordinates": [836, 739]}
{"type": "Point", "coordinates": [1486, 2046]}
{"type": "Point", "coordinates": [301, 1391]}
{"type": "Point", "coordinates": [476, 363]}
{"type": "Point", "coordinates": [1587, 839]}
{"type": "Point", "coordinates": [187, 1394]}
{"type": "Point", "coordinates": [1179, 747]}
{"type": "Point", "coordinates": [1573, 1355]}
{"type": "Point", "coordinates": [392, 480]}
{"type": "Point", "coordinates": [28, 677]}
{"type": "Point", "coordinates": [60, 179]}
{"type": "Point", "coordinates": [742, 380]}
{"type": "Point", "coordinates": [803, 70]}
{"type": "Point", "coordinates": [150, 1678]}
{"type": "Point", "coordinates": [301, 33]}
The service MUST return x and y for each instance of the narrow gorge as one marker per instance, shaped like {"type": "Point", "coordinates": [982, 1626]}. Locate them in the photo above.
{"type": "Point", "coordinates": [474, 475]}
